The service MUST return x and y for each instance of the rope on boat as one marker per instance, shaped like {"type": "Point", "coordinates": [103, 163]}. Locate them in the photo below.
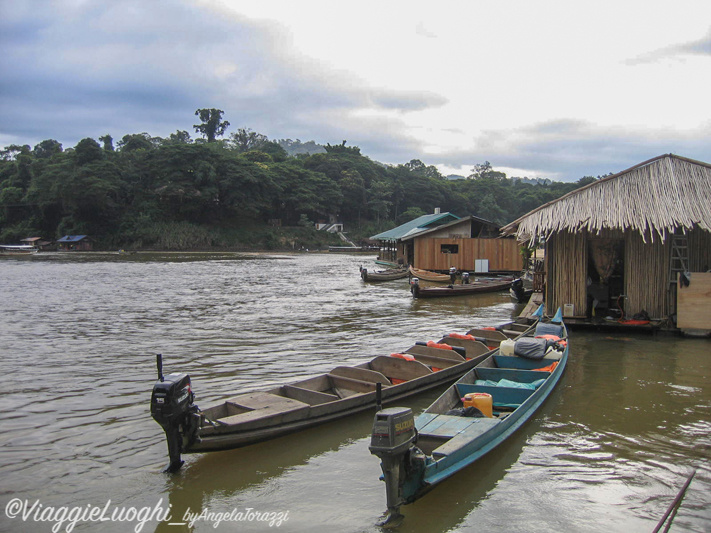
{"type": "Point", "coordinates": [674, 507]}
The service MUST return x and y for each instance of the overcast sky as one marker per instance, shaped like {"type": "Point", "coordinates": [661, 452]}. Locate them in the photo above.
{"type": "Point", "coordinates": [557, 89]}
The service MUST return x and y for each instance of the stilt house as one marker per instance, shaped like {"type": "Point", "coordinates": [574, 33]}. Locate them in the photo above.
{"type": "Point", "coordinates": [634, 243]}
{"type": "Point", "coordinates": [442, 240]}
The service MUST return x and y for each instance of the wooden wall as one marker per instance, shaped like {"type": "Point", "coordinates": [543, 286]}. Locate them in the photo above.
{"type": "Point", "coordinates": [503, 254]}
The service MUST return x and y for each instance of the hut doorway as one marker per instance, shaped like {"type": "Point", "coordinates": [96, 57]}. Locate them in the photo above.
{"type": "Point", "coordinates": [605, 277]}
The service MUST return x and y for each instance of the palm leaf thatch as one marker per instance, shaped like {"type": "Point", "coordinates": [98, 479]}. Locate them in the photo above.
{"type": "Point", "coordinates": [658, 196]}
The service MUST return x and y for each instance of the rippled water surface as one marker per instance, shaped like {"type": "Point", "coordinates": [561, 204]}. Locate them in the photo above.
{"type": "Point", "coordinates": [78, 337]}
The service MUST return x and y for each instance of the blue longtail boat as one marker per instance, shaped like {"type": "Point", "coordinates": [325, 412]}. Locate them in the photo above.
{"type": "Point", "coordinates": [476, 414]}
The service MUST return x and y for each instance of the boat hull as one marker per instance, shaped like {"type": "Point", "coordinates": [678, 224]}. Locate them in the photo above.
{"type": "Point", "coordinates": [327, 413]}
{"type": "Point", "coordinates": [475, 287]}
{"type": "Point", "coordinates": [480, 411]}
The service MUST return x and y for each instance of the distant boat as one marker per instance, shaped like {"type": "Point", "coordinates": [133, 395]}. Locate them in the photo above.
{"type": "Point", "coordinates": [250, 417]}
{"type": "Point", "coordinates": [383, 275]}
{"type": "Point", "coordinates": [428, 275]}
{"type": "Point", "coordinates": [476, 414]}
{"type": "Point", "coordinates": [477, 286]}
{"type": "Point", "coordinates": [18, 249]}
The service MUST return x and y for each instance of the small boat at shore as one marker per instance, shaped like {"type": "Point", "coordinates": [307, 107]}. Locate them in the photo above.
{"type": "Point", "coordinates": [252, 417]}
{"type": "Point", "coordinates": [17, 249]}
{"type": "Point", "coordinates": [428, 275]}
{"type": "Point", "coordinates": [476, 414]}
{"type": "Point", "coordinates": [479, 285]}
{"type": "Point", "coordinates": [383, 275]}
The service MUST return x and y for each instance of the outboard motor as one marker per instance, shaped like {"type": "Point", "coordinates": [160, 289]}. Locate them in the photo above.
{"type": "Point", "coordinates": [391, 441]}
{"type": "Point", "coordinates": [172, 407]}
{"type": "Point", "coordinates": [465, 278]}
{"type": "Point", "coordinates": [414, 285]}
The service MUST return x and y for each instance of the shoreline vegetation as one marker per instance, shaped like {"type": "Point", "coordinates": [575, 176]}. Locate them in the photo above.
{"type": "Point", "coordinates": [245, 192]}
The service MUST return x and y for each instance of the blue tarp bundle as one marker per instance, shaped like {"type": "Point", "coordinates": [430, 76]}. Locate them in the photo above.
{"type": "Point", "coordinates": [508, 383]}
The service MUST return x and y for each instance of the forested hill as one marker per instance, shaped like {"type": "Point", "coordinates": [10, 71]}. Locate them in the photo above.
{"type": "Point", "coordinates": [182, 193]}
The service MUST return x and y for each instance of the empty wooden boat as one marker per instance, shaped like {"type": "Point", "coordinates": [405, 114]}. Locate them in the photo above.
{"type": "Point", "coordinates": [476, 414]}
{"type": "Point", "coordinates": [428, 275]}
{"type": "Point", "coordinates": [479, 285]}
{"type": "Point", "coordinates": [383, 275]}
{"type": "Point", "coordinates": [251, 417]}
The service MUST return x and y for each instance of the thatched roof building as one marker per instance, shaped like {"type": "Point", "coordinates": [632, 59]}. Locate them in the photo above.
{"type": "Point", "coordinates": [626, 236]}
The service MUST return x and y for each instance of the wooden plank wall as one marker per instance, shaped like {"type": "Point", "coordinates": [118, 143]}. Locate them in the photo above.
{"type": "Point", "coordinates": [503, 254]}
{"type": "Point", "coordinates": [694, 303]}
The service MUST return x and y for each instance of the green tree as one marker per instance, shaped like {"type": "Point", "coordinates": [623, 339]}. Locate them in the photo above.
{"type": "Point", "coordinates": [47, 149]}
{"type": "Point", "coordinates": [212, 124]}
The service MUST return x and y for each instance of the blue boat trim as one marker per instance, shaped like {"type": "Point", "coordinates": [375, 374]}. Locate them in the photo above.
{"type": "Point", "coordinates": [449, 436]}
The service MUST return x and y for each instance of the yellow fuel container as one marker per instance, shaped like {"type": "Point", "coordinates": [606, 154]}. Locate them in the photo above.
{"type": "Point", "coordinates": [482, 401]}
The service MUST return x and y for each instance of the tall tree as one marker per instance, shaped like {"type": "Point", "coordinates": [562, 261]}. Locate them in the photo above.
{"type": "Point", "coordinates": [212, 124]}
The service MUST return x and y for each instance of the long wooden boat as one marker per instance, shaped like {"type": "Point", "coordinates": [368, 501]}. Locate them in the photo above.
{"type": "Point", "coordinates": [476, 414]}
{"type": "Point", "coordinates": [17, 249]}
{"type": "Point", "coordinates": [477, 286]}
{"type": "Point", "coordinates": [428, 275]}
{"type": "Point", "coordinates": [251, 417]}
{"type": "Point", "coordinates": [383, 275]}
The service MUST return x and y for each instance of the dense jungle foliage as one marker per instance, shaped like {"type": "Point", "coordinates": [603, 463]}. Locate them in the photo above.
{"type": "Point", "coordinates": [243, 192]}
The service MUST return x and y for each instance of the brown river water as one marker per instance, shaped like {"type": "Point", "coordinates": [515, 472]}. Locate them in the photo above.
{"type": "Point", "coordinates": [608, 451]}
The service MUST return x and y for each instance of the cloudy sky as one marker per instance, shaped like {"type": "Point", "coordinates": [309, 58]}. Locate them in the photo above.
{"type": "Point", "coordinates": [557, 89]}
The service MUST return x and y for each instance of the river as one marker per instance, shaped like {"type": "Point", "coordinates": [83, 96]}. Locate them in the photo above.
{"type": "Point", "coordinates": [608, 451]}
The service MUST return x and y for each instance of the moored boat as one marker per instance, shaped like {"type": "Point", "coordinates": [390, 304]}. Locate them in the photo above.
{"type": "Point", "coordinates": [476, 414]}
{"type": "Point", "coordinates": [383, 275]}
{"type": "Point", "coordinates": [251, 417]}
{"type": "Point", "coordinates": [17, 249]}
{"type": "Point", "coordinates": [428, 275]}
{"type": "Point", "coordinates": [479, 285]}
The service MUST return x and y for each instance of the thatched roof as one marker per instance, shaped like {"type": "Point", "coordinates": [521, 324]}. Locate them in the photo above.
{"type": "Point", "coordinates": [657, 196]}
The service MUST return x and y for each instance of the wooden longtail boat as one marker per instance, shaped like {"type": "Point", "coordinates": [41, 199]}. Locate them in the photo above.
{"type": "Point", "coordinates": [17, 249]}
{"type": "Point", "coordinates": [251, 417]}
{"type": "Point", "coordinates": [474, 287]}
{"type": "Point", "coordinates": [428, 275]}
{"type": "Point", "coordinates": [383, 275]}
{"type": "Point", "coordinates": [476, 414]}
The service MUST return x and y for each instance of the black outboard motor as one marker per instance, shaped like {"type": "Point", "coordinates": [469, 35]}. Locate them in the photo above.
{"type": "Point", "coordinates": [391, 440]}
{"type": "Point", "coordinates": [415, 286]}
{"type": "Point", "coordinates": [172, 407]}
{"type": "Point", "coordinates": [465, 278]}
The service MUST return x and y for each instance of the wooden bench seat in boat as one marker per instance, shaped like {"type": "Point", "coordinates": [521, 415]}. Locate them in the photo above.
{"type": "Point", "coordinates": [394, 368]}
{"type": "Point", "coordinates": [308, 396]}
{"type": "Point", "coordinates": [441, 432]}
{"type": "Point", "coordinates": [493, 337]}
{"type": "Point", "coordinates": [363, 374]}
{"type": "Point", "coordinates": [346, 387]}
{"type": "Point", "coordinates": [466, 437]}
{"type": "Point", "coordinates": [258, 405]}
{"type": "Point", "coordinates": [472, 348]}
{"type": "Point", "coordinates": [442, 353]}
{"type": "Point", "coordinates": [436, 362]}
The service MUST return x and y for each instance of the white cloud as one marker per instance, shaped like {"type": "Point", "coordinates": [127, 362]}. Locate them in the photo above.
{"type": "Point", "coordinates": [551, 88]}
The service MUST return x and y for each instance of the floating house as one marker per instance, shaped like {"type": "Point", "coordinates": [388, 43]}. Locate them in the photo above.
{"type": "Point", "coordinates": [441, 240]}
{"type": "Point", "coordinates": [634, 244]}
{"type": "Point", "coordinates": [38, 242]}
{"type": "Point", "coordinates": [75, 243]}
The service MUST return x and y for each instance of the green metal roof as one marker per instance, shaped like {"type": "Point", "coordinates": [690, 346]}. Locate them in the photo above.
{"type": "Point", "coordinates": [415, 226]}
